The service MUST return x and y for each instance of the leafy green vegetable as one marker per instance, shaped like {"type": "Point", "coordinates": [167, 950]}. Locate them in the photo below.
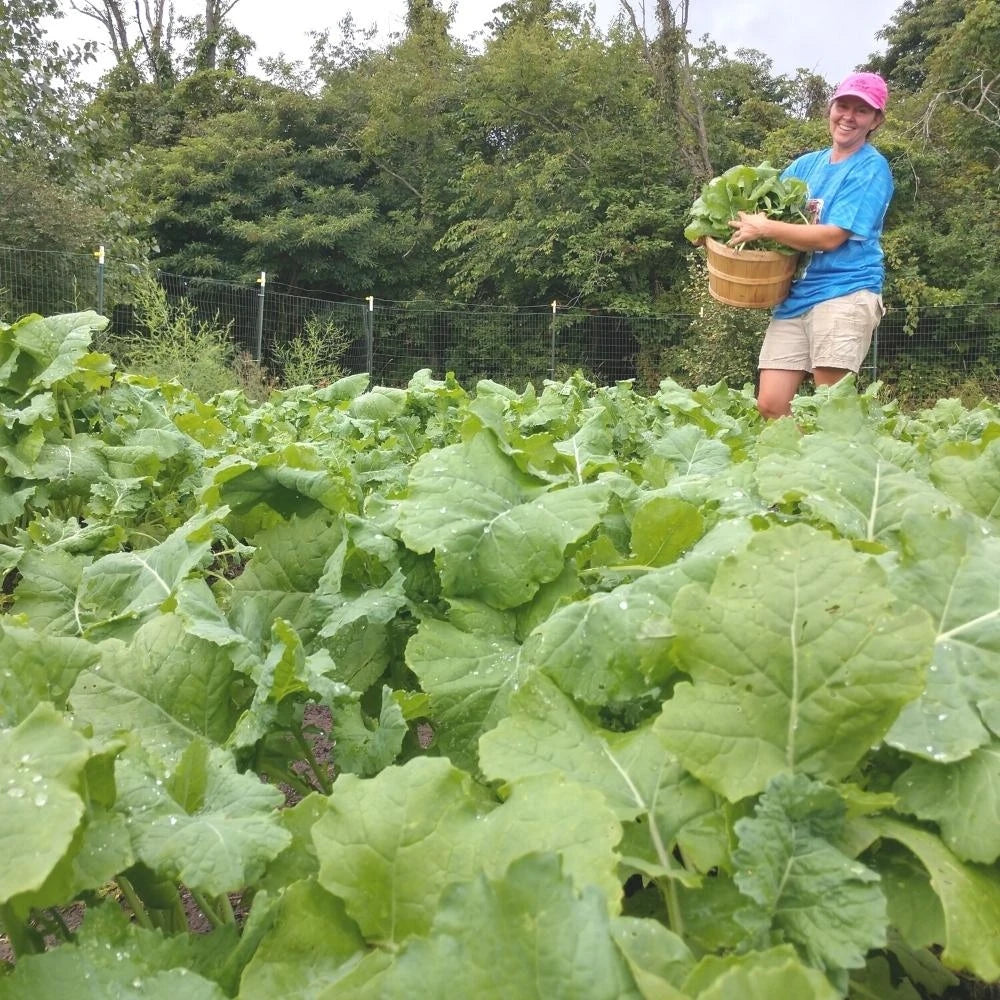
{"type": "Point", "coordinates": [747, 189]}
{"type": "Point", "coordinates": [572, 692]}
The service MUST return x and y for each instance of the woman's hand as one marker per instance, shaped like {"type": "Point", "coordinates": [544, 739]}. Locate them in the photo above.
{"type": "Point", "coordinates": [747, 227]}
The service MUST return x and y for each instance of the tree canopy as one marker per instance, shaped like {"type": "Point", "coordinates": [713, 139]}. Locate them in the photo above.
{"type": "Point", "coordinates": [555, 161]}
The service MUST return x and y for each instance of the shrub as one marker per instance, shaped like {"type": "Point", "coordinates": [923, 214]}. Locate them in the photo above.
{"type": "Point", "coordinates": [166, 339]}
{"type": "Point", "coordinates": [313, 357]}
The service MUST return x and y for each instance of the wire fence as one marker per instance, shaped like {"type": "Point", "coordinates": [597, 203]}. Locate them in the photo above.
{"type": "Point", "coordinates": [943, 351]}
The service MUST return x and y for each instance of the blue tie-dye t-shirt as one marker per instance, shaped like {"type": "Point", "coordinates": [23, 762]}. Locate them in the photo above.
{"type": "Point", "coordinates": [853, 194]}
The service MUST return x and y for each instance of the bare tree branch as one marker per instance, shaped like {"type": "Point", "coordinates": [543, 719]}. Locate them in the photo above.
{"type": "Point", "coordinates": [668, 57]}
{"type": "Point", "coordinates": [983, 104]}
{"type": "Point", "coordinates": [110, 16]}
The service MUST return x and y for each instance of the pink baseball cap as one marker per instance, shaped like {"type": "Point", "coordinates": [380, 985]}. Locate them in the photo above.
{"type": "Point", "coordinates": [870, 87]}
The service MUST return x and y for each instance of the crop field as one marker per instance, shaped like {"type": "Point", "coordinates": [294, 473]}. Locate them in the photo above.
{"type": "Point", "coordinates": [454, 691]}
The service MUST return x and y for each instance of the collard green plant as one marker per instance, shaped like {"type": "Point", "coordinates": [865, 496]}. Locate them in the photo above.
{"type": "Point", "coordinates": [566, 692]}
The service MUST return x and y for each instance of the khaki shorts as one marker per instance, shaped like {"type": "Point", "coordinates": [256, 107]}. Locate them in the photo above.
{"type": "Point", "coordinates": [834, 334]}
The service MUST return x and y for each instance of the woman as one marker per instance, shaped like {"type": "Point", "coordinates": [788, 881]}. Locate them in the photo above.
{"type": "Point", "coordinates": [825, 325]}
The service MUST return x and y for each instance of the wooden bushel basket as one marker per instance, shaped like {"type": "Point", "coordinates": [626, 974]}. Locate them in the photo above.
{"type": "Point", "coordinates": [750, 279]}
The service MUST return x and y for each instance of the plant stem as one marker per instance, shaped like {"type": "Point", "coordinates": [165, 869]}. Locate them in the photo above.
{"type": "Point", "coordinates": [60, 925]}
{"type": "Point", "coordinates": [134, 902]}
{"type": "Point", "coordinates": [19, 937]}
{"type": "Point", "coordinates": [226, 909]}
{"type": "Point", "coordinates": [321, 778]}
{"type": "Point", "coordinates": [669, 889]}
{"type": "Point", "coordinates": [69, 418]}
{"type": "Point", "coordinates": [670, 897]}
{"type": "Point", "coordinates": [215, 918]}
{"type": "Point", "coordinates": [289, 778]}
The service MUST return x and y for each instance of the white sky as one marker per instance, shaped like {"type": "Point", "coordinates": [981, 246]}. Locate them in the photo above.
{"type": "Point", "coordinates": [829, 37]}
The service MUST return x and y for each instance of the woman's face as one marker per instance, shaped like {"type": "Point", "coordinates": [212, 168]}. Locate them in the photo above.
{"type": "Point", "coordinates": [851, 120]}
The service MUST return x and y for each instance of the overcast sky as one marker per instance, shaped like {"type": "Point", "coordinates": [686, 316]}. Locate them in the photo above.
{"type": "Point", "coordinates": [829, 37]}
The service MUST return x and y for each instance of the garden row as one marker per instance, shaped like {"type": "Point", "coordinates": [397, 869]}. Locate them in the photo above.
{"type": "Point", "coordinates": [630, 696]}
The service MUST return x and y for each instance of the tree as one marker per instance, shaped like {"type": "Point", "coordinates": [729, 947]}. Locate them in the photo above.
{"type": "Point", "coordinates": [402, 110]}
{"type": "Point", "coordinates": [216, 12]}
{"type": "Point", "coordinates": [275, 187]}
{"type": "Point", "coordinates": [916, 30]}
{"type": "Point", "coordinates": [571, 187]}
{"type": "Point", "coordinates": [54, 191]}
{"type": "Point", "coordinates": [668, 57]}
{"type": "Point", "coordinates": [943, 239]}
{"type": "Point", "coordinates": [144, 43]}
{"type": "Point", "coordinates": [40, 95]}
{"type": "Point", "coordinates": [966, 73]}
{"type": "Point", "coordinates": [743, 100]}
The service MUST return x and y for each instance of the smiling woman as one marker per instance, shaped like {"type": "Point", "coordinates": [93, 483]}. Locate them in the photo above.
{"type": "Point", "coordinates": [825, 325]}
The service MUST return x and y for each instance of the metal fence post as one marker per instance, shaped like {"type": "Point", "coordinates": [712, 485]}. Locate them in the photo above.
{"type": "Point", "coordinates": [99, 254]}
{"type": "Point", "coordinates": [259, 343]}
{"type": "Point", "coordinates": [552, 339]}
{"type": "Point", "coordinates": [370, 335]}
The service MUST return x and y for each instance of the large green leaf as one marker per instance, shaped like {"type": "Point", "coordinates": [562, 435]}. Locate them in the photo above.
{"type": "Point", "coordinates": [848, 483]}
{"type": "Point", "coordinates": [527, 935]}
{"type": "Point", "coordinates": [389, 845]}
{"type": "Point", "coordinates": [41, 761]}
{"type": "Point", "coordinates": [611, 647]}
{"type": "Point", "coordinates": [804, 889]}
{"type": "Point", "coordinates": [590, 450]}
{"type": "Point", "coordinates": [469, 668]}
{"type": "Point", "coordinates": [111, 958]}
{"type": "Point", "coordinates": [37, 668]}
{"type": "Point", "coordinates": [50, 349]}
{"type": "Point", "coordinates": [366, 746]}
{"type": "Point", "coordinates": [166, 687]}
{"type": "Point", "coordinates": [758, 975]}
{"type": "Point", "coordinates": [915, 911]}
{"type": "Point", "coordinates": [360, 613]}
{"type": "Point", "coordinates": [969, 894]}
{"type": "Point", "coordinates": [496, 532]}
{"type": "Point", "coordinates": [800, 661]}
{"type": "Point", "coordinates": [66, 973]}
{"type": "Point", "coordinates": [122, 589]}
{"type": "Point", "coordinates": [552, 813]}
{"type": "Point", "coordinates": [971, 474]}
{"type": "Point", "coordinates": [948, 565]}
{"type": "Point", "coordinates": [207, 825]}
{"type": "Point", "coordinates": [13, 499]}
{"type": "Point", "coordinates": [434, 826]}
{"type": "Point", "coordinates": [658, 959]}
{"type": "Point", "coordinates": [298, 860]}
{"type": "Point", "coordinates": [663, 528]}
{"type": "Point", "coordinates": [691, 452]}
{"type": "Point", "coordinates": [46, 595]}
{"type": "Point", "coordinates": [963, 798]}
{"type": "Point", "coordinates": [312, 944]}
{"type": "Point", "coordinates": [282, 577]}
{"type": "Point", "coordinates": [288, 482]}
{"type": "Point", "coordinates": [101, 846]}
{"type": "Point", "coordinates": [641, 783]}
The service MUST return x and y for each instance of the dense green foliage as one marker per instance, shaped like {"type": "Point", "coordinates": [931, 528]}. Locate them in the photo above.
{"type": "Point", "coordinates": [557, 162]}
{"type": "Point", "coordinates": [628, 696]}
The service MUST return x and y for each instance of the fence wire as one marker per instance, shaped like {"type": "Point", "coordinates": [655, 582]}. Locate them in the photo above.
{"type": "Point", "coordinates": [948, 350]}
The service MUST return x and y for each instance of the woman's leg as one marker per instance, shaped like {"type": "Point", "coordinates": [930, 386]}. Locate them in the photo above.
{"type": "Point", "coordinates": [777, 387]}
{"type": "Point", "coordinates": [784, 362]}
{"type": "Point", "coordinates": [829, 376]}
